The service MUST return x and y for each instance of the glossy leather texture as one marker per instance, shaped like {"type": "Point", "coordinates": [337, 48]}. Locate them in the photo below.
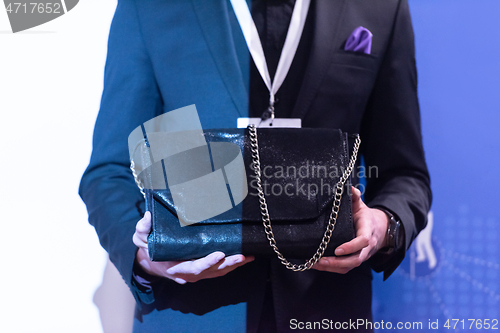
{"type": "Point", "coordinates": [300, 168]}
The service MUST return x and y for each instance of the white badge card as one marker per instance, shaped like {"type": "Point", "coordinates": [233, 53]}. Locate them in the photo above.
{"type": "Point", "coordinates": [272, 123]}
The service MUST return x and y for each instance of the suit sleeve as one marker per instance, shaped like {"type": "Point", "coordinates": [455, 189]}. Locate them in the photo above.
{"type": "Point", "coordinates": [392, 140]}
{"type": "Point", "coordinates": [130, 98]}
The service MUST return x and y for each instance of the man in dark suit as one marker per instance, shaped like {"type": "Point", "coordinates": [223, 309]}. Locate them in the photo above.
{"type": "Point", "coordinates": [164, 55]}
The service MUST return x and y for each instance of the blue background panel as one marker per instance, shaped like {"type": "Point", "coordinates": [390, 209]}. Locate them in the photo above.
{"type": "Point", "coordinates": [455, 274]}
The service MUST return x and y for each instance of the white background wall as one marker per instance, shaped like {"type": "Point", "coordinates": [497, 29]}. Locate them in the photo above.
{"type": "Point", "coordinates": [50, 89]}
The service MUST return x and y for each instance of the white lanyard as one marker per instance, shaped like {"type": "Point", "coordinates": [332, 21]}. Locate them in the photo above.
{"type": "Point", "coordinates": [255, 46]}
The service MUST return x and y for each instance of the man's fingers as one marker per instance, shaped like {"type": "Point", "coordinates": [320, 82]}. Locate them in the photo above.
{"type": "Point", "coordinates": [357, 203]}
{"type": "Point", "coordinates": [142, 229]}
{"type": "Point", "coordinates": [331, 264]}
{"type": "Point", "coordinates": [230, 261]}
{"type": "Point", "coordinates": [140, 240]}
{"type": "Point", "coordinates": [142, 258]}
{"type": "Point", "coordinates": [355, 252]}
{"type": "Point", "coordinates": [340, 264]}
{"type": "Point", "coordinates": [209, 261]}
{"type": "Point", "coordinates": [235, 261]}
{"type": "Point", "coordinates": [353, 246]}
{"type": "Point", "coordinates": [213, 265]}
{"type": "Point", "coordinates": [144, 224]}
{"type": "Point", "coordinates": [196, 267]}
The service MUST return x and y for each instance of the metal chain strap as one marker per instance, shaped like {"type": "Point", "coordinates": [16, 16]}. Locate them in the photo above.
{"type": "Point", "coordinates": [134, 173]}
{"type": "Point", "coordinates": [266, 220]}
{"type": "Point", "coordinates": [136, 178]}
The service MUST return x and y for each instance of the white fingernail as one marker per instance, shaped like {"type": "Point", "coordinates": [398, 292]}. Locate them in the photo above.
{"type": "Point", "coordinates": [180, 281]}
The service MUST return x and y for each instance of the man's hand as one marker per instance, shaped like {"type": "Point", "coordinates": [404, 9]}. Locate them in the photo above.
{"type": "Point", "coordinates": [371, 229]}
{"type": "Point", "coordinates": [214, 265]}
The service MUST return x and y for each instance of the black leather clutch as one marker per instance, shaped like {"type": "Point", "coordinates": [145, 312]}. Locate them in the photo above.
{"type": "Point", "coordinates": [297, 203]}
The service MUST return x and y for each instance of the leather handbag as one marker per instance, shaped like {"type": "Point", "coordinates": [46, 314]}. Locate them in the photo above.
{"type": "Point", "coordinates": [298, 202]}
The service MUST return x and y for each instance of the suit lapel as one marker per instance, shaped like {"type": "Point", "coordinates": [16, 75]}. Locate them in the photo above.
{"type": "Point", "coordinates": [213, 18]}
{"type": "Point", "coordinates": [327, 20]}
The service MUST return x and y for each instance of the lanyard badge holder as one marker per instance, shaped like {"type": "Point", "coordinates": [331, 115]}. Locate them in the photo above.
{"type": "Point", "coordinates": [257, 52]}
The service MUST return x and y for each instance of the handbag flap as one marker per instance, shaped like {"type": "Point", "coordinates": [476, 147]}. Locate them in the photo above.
{"type": "Point", "coordinates": [300, 169]}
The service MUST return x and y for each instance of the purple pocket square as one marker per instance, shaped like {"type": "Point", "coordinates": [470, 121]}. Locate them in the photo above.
{"type": "Point", "coordinates": [359, 41]}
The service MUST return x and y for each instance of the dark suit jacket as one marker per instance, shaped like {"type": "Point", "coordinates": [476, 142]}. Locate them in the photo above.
{"type": "Point", "coordinates": [163, 55]}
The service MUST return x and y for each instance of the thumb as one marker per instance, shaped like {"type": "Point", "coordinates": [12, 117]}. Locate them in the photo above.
{"type": "Point", "coordinates": [144, 224]}
{"type": "Point", "coordinates": [142, 229]}
{"type": "Point", "coordinates": [357, 203]}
